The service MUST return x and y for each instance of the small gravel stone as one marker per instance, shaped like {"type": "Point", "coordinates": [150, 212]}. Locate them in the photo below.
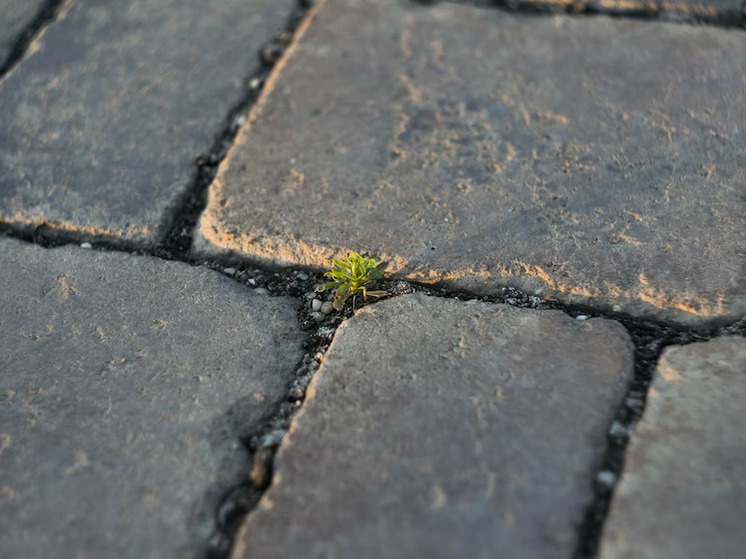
{"type": "Point", "coordinates": [86, 245]}
{"type": "Point", "coordinates": [302, 276]}
{"type": "Point", "coordinates": [618, 430]}
{"type": "Point", "coordinates": [606, 477]}
{"type": "Point", "coordinates": [316, 304]}
{"type": "Point", "coordinates": [327, 307]}
{"type": "Point", "coordinates": [318, 317]}
{"type": "Point", "coordinates": [229, 271]}
{"type": "Point", "coordinates": [581, 317]}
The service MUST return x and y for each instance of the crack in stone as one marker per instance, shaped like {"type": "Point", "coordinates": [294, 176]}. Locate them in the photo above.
{"type": "Point", "coordinates": [50, 12]}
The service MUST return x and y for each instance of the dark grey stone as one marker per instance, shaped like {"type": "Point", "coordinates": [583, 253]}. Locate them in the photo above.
{"type": "Point", "coordinates": [438, 429]}
{"type": "Point", "coordinates": [125, 384]}
{"type": "Point", "coordinates": [599, 161]}
{"type": "Point", "coordinates": [101, 122]}
{"type": "Point", "coordinates": [683, 490]}
{"type": "Point", "coordinates": [15, 15]}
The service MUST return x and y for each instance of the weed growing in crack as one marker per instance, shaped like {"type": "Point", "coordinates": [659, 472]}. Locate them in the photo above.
{"type": "Point", "coordinates": [351, 277]}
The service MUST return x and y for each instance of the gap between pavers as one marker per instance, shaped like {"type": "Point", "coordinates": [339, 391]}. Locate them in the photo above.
{"type": "Point", "coordinates": [683, 490]}
{"type": "Point", "coordinates": [103, 119]}
{"type": "Point", "coordinates": [127, 386]}
{"type": "Point", "coordinates": [590, 159]}
{"type": "Point", "coordinates": [440, 428]}
{"type": "Point", "coordinates": [15, 15]}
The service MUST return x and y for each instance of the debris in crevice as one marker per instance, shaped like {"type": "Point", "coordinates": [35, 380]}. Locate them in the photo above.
{"type": "Point", "coordinates": [180, 225]}
{"type": "Point", "coordinates": [47, 15]}
{"type": "Point", "coordinates": [649, 340]}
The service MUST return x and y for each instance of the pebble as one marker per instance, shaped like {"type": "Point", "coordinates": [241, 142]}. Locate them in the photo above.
{"type": "Point", "coordinates": [252, 281]}
{"type": "Point", "coordinates": [302, 276]}
{"type": "Point", "coordinates": [316, 304]}
{"type": "Point", "coordinates": [606, 477]}
{"type": "Point", "coordinates": [229, 271]}
{"type": "Point", "coordinates": [327, 307]}
{"type": "Point", "coordinates": [318, 317]}
{"type": "Point", "coordinates": [618, 430]}
{"type": "Point", "coordinates": [581, 317]}
{"type": "Point", "coordinates": [86, 245]}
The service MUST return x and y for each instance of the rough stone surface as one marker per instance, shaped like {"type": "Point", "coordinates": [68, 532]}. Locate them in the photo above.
{"type": "Point", "coordinates": [100, 124]}
{"type": "Point", "coordinates": [726, 12]}
{"type": "Point", "coordinates": [478, 148]}
{"type": "Point", "coordinates": [683, 490]}
{"type": "Point", "coordinates": [437, 428]}
{"type": "Point", "coordinates": [15, 15]}
{"type": "Point", "coordinates": [125, 383]}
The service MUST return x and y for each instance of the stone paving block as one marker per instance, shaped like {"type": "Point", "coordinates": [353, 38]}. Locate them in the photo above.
{"type": "Point", "coordinates": [437, 429]}
{"type": "Point", "coordinates": [100, 124]}
{"type": "Point", "coordinates": [15, 15]}
{"type": "Point", "coordinates": [683, 489]}
{"type": "Point", "coordinates": [591, 159]}
{"type": "Point", "coordinates": [125, 383]}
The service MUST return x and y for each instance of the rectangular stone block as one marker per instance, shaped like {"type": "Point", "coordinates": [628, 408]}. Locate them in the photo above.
{"type": "Point", "coordinates": [126, 385]}
{"type": "Point", "coordinates": [103, 119]}
{"type": "Point", "coordinates": [595, 160]}
{"type": "Point", "coordinates": [439, 429]}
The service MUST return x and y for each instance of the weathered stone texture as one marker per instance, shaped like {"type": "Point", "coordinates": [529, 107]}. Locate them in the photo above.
{"type": "Point", "coordinates": [100, 124]}
{"type": "Point", "coordinates": [125, 384]}
{"type": "Point", "coordinates": [596, 160]}
{"type": "Point", "coordinates": [15, 15]}
{"type": "Point", "coordinates": [438, 429]}
{"type": "Point", "coordinates": [683, 490]}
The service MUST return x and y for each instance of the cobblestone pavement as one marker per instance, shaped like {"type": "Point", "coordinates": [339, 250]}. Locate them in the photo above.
{"type": "Point", "coordinates": [556, 366]}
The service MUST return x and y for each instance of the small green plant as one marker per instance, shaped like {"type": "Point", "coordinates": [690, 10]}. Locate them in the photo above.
{"type": "Point", "coordinates": [350, 277]}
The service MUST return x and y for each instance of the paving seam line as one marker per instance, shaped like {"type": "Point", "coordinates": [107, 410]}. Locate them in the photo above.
{"type": "Point", "coordinates": [49, 13]}
{"type": "Point", "coordinates": [180, 223]}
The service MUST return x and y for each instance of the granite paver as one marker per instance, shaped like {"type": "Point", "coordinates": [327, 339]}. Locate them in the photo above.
{"type": "Point", "coordinates": [101, 122]}
{"type": "Point", "coordinates": [125, 384]}
{"type": "Point", "coordinates": [438, 428]}
{"type": "Point", "coordinates": [592, 159]}
{"type": "Point", "coordinates": [683, 490]}
{"type": "Point", "coordinates": [15, 15]}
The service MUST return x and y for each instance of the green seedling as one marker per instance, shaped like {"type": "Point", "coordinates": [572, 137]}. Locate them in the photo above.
{"type": "Point", "coordinates": [350, 278]}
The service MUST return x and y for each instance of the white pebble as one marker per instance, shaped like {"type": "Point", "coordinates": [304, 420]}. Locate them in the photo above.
{"type": "Point", "coordinates": [581, 317]}
{"type": "Point", "coordinates": [606, 477]}
{"type": "Point", "coordinates": [229, 271]}
{"type": "Point", "coordinates": [317, 316]}
{"type": "Point", "coordinates": [86, 245]}
{"type": "Point", "coordinates": [327, 307]}
{"type": "Point", "coordinates": [302, 276]}
{"type": "Point", "coordinates": [252, 281]}
{"type": "Point", "coordinates": [316, 304]}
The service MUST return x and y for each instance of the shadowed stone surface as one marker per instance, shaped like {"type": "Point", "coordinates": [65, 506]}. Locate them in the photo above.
{"type": "Point", "coordinates": [15, 15]}
{"type": "Point", "coordinates": [597, 160]}
{"type": "Point", "coordinates": [125, 384]}
{"type": "Point", "coordinates": [683, 491]}
{"type": "Point", "coordinates": [439, 429]}
{"type": "Point", "coordinates": [101, 123]}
